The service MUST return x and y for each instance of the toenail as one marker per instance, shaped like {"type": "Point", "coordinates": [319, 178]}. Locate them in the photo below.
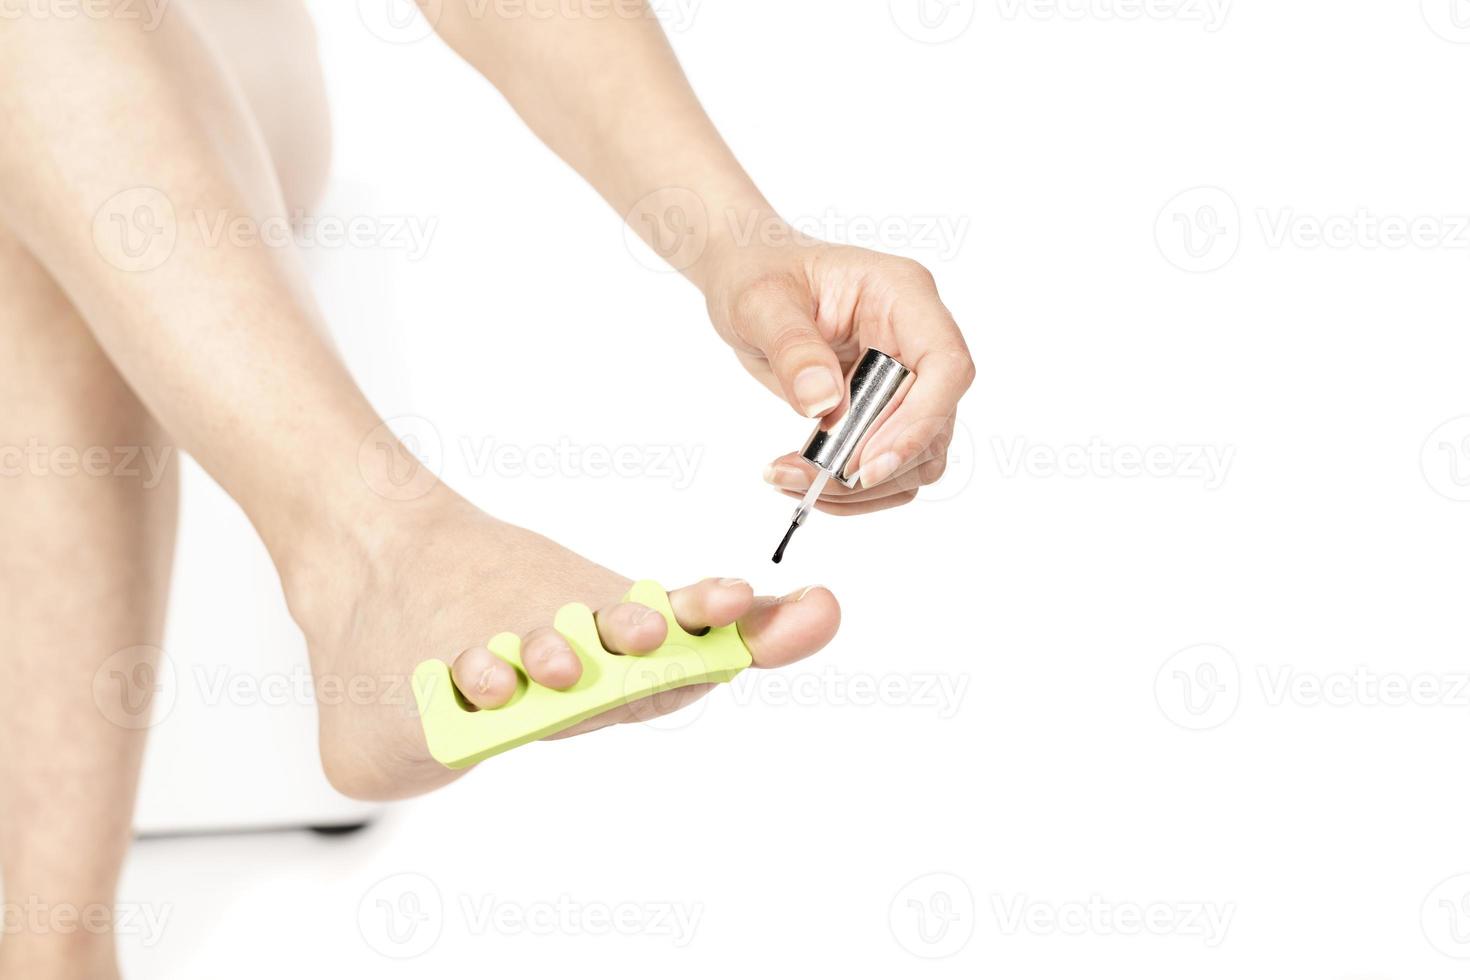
{"type": "Point", "coordinates": [482, 685]}
{"type": "Point", "coordinates": [798, 596]}
{"type": "Point", "coordinates": [732, 583]}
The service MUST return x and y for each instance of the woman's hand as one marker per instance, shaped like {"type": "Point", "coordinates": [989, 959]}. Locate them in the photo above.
{"type": "Point", "coordinates": [800, 314]}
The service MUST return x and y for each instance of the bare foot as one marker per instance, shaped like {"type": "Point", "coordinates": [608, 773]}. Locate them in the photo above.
{"type": "Point", "coordinates": [441, 579]}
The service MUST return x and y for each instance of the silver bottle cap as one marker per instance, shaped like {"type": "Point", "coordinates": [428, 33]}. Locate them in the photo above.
{"type": "Point", "coordinates": [871, 387]}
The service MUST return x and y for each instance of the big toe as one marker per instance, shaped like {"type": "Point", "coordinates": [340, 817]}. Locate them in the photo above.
{"type": "Point", "coordinates": [783, 631]}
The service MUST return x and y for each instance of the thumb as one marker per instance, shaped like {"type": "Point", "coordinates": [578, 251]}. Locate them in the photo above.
{"type": "Point", "coordinates": [805, 366]}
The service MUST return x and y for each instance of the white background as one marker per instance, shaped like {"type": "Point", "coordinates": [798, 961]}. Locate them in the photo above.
{"type": "Point", "coordinates": [1089, 772]}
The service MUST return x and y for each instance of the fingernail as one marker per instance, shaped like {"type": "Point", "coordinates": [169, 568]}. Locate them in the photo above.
{"type": "Point", "coordinates": [731, 583]}
{"type": "Point", "coordinates": [816, 391]}
{"type": "Point", "coordinates": [879, 470]}
{"type": "Point", "coordinates": [786, 477]}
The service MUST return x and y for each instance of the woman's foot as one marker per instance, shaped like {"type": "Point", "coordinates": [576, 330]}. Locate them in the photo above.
{"type": "Point", "coordinates": [438, 579]}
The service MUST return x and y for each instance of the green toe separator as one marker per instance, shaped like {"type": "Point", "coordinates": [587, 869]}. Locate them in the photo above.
{"type": "Point", "coordinates": [461, 735]}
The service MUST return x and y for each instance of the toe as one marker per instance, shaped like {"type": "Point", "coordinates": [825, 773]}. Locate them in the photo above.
{"type": "Point", "coordinates": [782, 631]}
{"type": "Point", "coordinates": [484, 679]}
{"type": "Point", "coordinates": [629, 627]}
{"type": "Point", "coordinates": [713, 602]}
{"type": "Point", "coordinates": [549, 659]}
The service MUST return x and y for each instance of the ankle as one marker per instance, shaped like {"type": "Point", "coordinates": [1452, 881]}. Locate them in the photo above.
{"type": "Point", "coordinates": [356, 542]}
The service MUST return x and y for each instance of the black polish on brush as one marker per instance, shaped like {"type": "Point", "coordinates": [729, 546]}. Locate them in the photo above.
{"type": "Point", "coordinates": [781, 551]}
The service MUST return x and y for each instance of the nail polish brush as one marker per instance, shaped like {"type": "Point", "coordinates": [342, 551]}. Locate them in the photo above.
{"type": "Point", "coordinates": [833, 449]}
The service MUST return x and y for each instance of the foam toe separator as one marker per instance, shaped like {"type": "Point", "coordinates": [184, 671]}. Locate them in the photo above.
{"type": "Point", "coordinates": [460, 735]}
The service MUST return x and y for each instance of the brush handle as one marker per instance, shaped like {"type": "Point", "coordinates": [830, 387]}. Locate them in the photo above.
{"type": "Point", "coordinates": [460, 735]}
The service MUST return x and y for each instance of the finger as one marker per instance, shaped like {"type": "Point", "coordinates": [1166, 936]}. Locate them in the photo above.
{"type": "Point", "coordinates": [898, 486]}
{"type": "Point", "coordinates": [631, 628]}
{"type": "Point", "coordinates": [782, 631]}
{"type": "Point", "coordinates": [792, 472]}
{"type": "Point", "coordinates": [713, 602]}
{"type": "Point", "coordinates": [845, 508]}
{"type": "Point", "coordinates": [776, 315]}
{"type": "Point", "coordinates": [484, 679]}
{"type": "Point", "coordinates": [943, 372]}
{"type": "Point", "coordinates": [549, 659]}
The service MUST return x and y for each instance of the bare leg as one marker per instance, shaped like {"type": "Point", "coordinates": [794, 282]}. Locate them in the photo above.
{"type": "Point", "coordinates": [83, 576]}
{"type": "Point", "coordinates": [222, 343]}
{"type": "Point", "coordinates": [88, 482]}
